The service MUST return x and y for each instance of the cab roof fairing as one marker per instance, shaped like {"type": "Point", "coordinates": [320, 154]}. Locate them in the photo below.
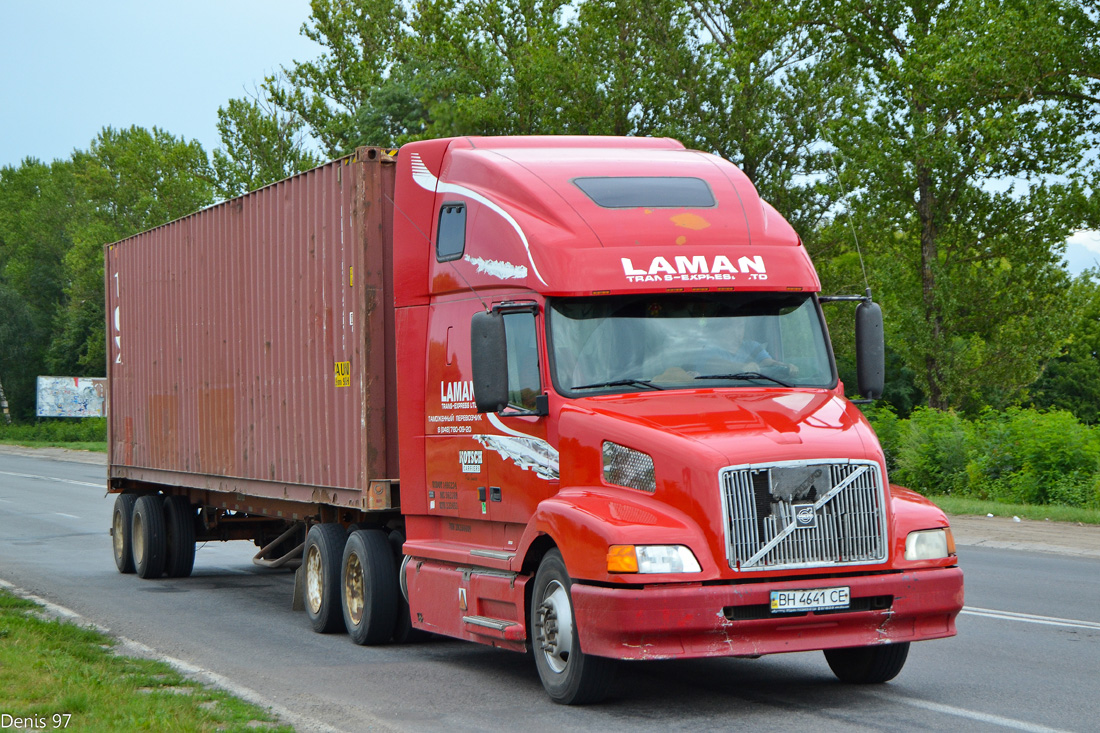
{"type": "Point", "coordinates": [531, 222]}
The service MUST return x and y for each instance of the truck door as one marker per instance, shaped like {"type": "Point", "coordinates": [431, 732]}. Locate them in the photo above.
{"type": "Point", "coordinates": [456, 473]}
{"type": "Point", "coordinates": [521, 465]}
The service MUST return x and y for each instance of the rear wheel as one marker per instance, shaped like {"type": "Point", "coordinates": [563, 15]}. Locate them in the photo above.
{"type": "Point", "coordinates": [369, 582]}
{"type": "Point", "coordinates": [122, 532]}
{"type": "Point", "coordinates": [569, 676]}
{"type": "Point", "coordinates": [868, 664]}
{"type": "Point", "coordinates": [148, 536]}
{"type": "Point", "coordinates": [321, 567]}
{"type": "Point", "coordinates": [179, 520]}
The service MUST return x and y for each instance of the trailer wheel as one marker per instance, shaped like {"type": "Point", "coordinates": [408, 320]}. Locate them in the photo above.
{"type": "Point", "coordinates": [148, 536]}
{"type": "Point", "coordinates": [369, 581]}
{"type": "Point", "coordinates": [569, 676]}
{"type": "Point", "coordinates": [121, 532]}
{"type": "Point", "coordinates": [868, 664]}
{"type": "Point", "coordinates": [179, 520]}
{"type": "Point", "coordinates": [321, 563]}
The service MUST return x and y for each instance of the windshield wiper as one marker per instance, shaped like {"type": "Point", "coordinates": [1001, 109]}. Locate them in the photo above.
{"type": "Point", "coordinates": [620, 383]}
{"type": "Point", "coordinates": [745, 375]}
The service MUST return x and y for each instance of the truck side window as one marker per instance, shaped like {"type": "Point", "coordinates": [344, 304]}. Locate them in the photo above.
{"type": "Point", "coordinates": [451, 240]}
{"type": "Point", "coordinates": [523, 360]}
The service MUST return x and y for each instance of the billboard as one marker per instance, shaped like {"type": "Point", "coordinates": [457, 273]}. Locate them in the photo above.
{"type": "Point", "coordinates": [71, 396]}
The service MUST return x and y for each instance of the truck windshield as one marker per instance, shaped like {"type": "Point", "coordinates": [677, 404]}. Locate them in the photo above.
{"type": "Point", "coordinates": [682, 341]}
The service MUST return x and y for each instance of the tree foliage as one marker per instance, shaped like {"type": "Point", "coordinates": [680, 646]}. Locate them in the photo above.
{"type": "Point", "coordinates": [260, 145]}
{"type": "Point", "coordinates": [953, 99]}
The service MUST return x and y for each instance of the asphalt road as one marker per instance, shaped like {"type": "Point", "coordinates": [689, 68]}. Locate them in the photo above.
{"type": "Point", "coordinates": [1027, 656]}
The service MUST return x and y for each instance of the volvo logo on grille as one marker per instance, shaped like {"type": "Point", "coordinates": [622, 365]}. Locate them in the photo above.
{"type": "Point", "coordinates": [804, 516]}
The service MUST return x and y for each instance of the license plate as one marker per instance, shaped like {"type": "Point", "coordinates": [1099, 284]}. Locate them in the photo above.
{"type": "Point", "coordinates": [814, 599]}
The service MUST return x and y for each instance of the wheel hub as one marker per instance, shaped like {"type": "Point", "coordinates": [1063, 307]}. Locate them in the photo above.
{"type": "Point", "coordinates": [116, 534]}
{"type": "Point", "coordinates": [315, 585]}
{"type": "Point", "coordinates": [138, 539]}
{"type": "Point", "coordinates": [353, 589]}
{"type": "Point", "coordinates": [554, 634]}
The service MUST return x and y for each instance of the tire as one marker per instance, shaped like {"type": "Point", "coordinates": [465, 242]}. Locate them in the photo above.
{"type": "Point", "coordinates": [148, 536]}
{"type": "Point", "coordinates": [321, 563]}
{"type": "Point", "coordinates": [568, 675]}
{"type": "Point", "coordinates": [867, 665]}
{"type": "Point", "coordinates": [368, 582]}
{"type": "Point", "coordinates": [179, 521]}
{"type": "Point", "coordinates": [122, 532]}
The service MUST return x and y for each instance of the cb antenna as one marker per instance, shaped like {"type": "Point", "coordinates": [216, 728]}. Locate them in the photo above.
{"type": "Point", "coordinates": [847, 211]}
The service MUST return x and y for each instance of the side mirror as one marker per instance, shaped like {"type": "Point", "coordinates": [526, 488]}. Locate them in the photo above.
{"type": "Point", "coordinates": [489, 356]}
{"type": "Point", "coordinates": [870, 350]}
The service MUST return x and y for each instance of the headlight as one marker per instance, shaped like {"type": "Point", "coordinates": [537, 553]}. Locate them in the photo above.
{"type": "Point", "coordinates": [929, 544]}
{"type": "Point", "coordinates": [627, 467]}
{"type": "Point", "coordinates": [651, 559]}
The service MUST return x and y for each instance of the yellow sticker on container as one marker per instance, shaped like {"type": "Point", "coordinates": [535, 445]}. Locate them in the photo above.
{"type": "Point", "coordinates": [343, 374]}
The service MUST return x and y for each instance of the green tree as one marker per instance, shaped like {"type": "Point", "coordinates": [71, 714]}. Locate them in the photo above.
{"type": "Point", "coordinates": [129, 181]}
{"type": "Point", "coordinates": [360, 42]}
{"type": "Point", "coordinates": [36, 215]}
{"type": "Point", "coordinates": [260, 145]}
{"type": "Point", "coordinates": [19, 353]}
{"type": "Point", "coordinates": [1072, 381]}
{"type": "Point", "coordinates": [955, 98]}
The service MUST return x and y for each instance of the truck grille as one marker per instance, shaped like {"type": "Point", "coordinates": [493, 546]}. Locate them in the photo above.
{"type": "Point", "coordinates": [804, 515]}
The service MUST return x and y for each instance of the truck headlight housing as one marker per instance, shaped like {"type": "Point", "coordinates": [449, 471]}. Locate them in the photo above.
{"type": "Point", "coordinates": [651, 559]}
{"type": "Point", "coordinates": [929, 544]}
{"type": "Point", "coordinates": [627, 467]}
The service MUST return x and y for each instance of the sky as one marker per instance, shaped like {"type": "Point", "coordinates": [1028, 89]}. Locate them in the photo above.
{"type": "Point", "coordinates": [69, 68]}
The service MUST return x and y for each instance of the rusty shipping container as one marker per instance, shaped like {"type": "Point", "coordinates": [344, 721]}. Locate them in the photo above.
{"type": "Point", "coordinates": [217, 386]}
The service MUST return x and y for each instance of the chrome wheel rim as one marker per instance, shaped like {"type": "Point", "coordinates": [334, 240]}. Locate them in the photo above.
{"type": "Point", "coordinates": [117, 533]}
{"type": "Point", "coordinates": [353, 589]}
{"type": "Point", "coordinates": [138, 539]}
{"type": "Point", "coordinates": [315, 585]}
{"type": "Point", "coordinates": [555, 627]}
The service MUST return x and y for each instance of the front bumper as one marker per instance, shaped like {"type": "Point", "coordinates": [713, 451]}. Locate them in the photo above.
{"type": "Point", "coordinates": [664, 622]}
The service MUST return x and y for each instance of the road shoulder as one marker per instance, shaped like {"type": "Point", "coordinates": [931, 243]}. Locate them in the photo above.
{"type": "Point", "coordinates": [1007, 533]}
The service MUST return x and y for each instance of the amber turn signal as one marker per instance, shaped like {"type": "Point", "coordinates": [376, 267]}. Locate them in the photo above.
{"type": "Point", "coordinates": [622, 559]}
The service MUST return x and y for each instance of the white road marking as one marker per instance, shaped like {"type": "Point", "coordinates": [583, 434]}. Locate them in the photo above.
{"type": "Point", "coordinates": [54, 478]}
{"type": "Point", "coordinates": [63, 514]}
{"type": "Point", "coordinates": [1031, 618]}
{"type": "Point", "coordinates": [969, 714]}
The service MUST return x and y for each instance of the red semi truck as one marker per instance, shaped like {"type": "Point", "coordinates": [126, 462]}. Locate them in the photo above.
{"type": "Point", "coordinates": [568, 394]}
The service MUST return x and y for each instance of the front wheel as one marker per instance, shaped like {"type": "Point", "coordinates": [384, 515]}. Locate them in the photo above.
{"type": "Point", "coordinates": [569, 676]}
{"type": "Point", "coordinates": [864, 665]}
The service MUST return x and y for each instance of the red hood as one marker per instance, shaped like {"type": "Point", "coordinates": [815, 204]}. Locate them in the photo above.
{"type": "Point", "coordinates": [742, 425]}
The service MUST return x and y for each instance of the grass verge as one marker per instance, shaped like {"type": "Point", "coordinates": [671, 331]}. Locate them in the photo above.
{"type": "Point", "coordinates": [1055, 513]}
{"type": "Point", "coordinates": [59, 676]}
{"type": "Point", "coordinates": [95, 446]}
